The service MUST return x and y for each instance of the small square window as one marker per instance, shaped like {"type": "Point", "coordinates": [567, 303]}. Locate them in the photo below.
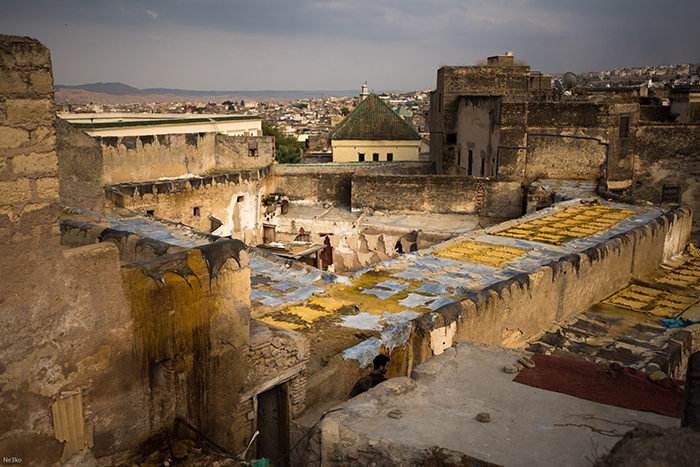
{"type": "Point", "coordinates": [240, 199]}
{"type": "Point", "coordinates": [389, 156]}
{"type": "Point", "coordinates": [451, 138]}
{"type": "Point", "coordinates": [375, 156]}
{"type": "Point", "coordinates": [151, 212]}
{"type": "Point", "coordinates": [252, 150]}
{"type": "Point", "coordinates": [195, 211]}
{"type": "Point", "coordinates": [671, 194]}
{"type": "Point", "coordinates": [361, 157]}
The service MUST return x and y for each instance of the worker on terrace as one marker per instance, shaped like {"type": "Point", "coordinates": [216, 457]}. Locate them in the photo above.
{"type": "Point", "coordinates": [380, 367]}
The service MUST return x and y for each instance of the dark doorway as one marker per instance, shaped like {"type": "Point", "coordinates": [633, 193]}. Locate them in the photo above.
{"type": "Point", "coordinates": [273, 424]}
{"type": "Point", "coordinates": [269, 233]}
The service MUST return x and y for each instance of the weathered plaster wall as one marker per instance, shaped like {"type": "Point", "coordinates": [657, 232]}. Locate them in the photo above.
{"type": "Point", "coordinates": [568, 157]}
{"type": "Point", "coordinates": [80, 169]}
{"type": "Point", "coordinates": [438, 194]}
{"type": "Point", "coordinates": [191, 325]}
{"type": "Point", "coordinates": [331, 183]}
{"type": "Point", "coordinates": [132, 159]}
{"type": "Point", "coordinates": [512, 311]}
{"type": "Point", "coordinates": [479, 119]}
{"type": "Point", "coordinates": [50, 298]}
{"type": "Point", "coordinates": [233, 198]}
{"type": "Point", "coordinates": [454, 82]}
{"type": "Point", "coordinates": [349, 150]}
{"type": "Point", "coordinates": [668, 155]}
{"type": "Point", "coordinates": [129, 348]}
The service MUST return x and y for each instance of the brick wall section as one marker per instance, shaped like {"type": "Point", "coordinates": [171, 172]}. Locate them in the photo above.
{"type": "Point", "coordinates": [332, 183]}
{"type": "Point", "coordinates": [80, 167]}
{"type": "Point", "coordinates": [668, 155]}
{"type": "Point", "coordinates": [438, 194]}
{"type": "Point", "coordinates": [132, 159]}
{"type": "Point", "coordinates": [29, 198]}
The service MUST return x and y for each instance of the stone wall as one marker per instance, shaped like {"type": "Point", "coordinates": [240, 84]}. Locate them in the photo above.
{"type": "Point", "coordinates": [80, 168]}
{"type": "Point", "coordinates": [232, 199]}
{"type": "Point", "coordinates": [133, 159]}
{"type": "Point", "coordinates": [191, 324]}
{"type": "Point", "coordinates": [668, 156]}
{"type": "Point", "coordinates": [98, 358]}
{"type": "Point", "coordinates": [331, 183]}
{"type": "Point", "coordinates": [512, 311]}
{"type": "Point", "coordinates": [438, 194]}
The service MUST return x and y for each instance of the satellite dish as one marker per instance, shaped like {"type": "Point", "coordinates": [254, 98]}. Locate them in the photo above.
{"type": "Point", "coordinates": [570, 80]}
{"type": "Point", "coordinates": [558, 85]}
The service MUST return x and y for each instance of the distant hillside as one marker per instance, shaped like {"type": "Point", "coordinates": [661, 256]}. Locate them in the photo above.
{"type": "Point", "coordinates": [119, 93]}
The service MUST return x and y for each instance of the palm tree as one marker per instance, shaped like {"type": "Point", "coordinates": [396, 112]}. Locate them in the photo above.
{"type": "Point", "coordinates": [287, 155]}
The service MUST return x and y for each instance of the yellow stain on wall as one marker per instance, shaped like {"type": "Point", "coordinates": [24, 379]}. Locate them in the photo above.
{"type": "Point", "coordinates": [479, 252]}
{"type": "Point", "coordinates": [566, 225]}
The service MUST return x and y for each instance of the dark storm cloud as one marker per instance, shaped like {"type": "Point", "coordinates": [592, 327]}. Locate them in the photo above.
{"type": "Point", "coordinates": [329, 44]}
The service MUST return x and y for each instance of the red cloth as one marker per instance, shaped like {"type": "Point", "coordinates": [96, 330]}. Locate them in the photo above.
{"type": "Point", "coordinates": [610, 384]}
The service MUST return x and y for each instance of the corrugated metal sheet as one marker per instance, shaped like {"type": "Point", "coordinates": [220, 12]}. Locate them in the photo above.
{"type": "Point", "coordinates": [68, 423]}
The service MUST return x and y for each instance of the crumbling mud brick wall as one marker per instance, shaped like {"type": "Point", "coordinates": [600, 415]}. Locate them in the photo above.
{"type": "Point", "coordinates": [438, 194]}
{"type": "Point", "coordinates": [331, 183]}
{"type": "Point", "coordinates": [510, 312]}
{"type": "Point", "coordinates": [667, 167]}
{"type": "Point", "coordinates": [80, 169]}
{"type": "Point", "coordinates": [453, 82]}
{"type": "Point", "coordinates": [206, 333]}
{"type": "Point", "coordinates": [65, 320]}
{"type": "Point", "coordinates": [225, 203]}
{"type": "Point", "coordinates": [132, 159]}
{"type": "Point", "coordinates": [192, 333]}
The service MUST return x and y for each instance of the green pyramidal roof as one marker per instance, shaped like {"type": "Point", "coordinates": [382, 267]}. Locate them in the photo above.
{"type": "Point", "coordinates": [373, 119]}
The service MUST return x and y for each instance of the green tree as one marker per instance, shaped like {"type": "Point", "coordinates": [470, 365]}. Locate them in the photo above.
{"type": "Point", "coordinates": [344, 111]}
{"type": "Point", "coordinates": [280, 138]}
{"type": "Point", "coordinates": [287, 155]}
{"type": "Point", "coordinates": [287, 147]}
{"type": "Point", "coordinates": [242, 103]}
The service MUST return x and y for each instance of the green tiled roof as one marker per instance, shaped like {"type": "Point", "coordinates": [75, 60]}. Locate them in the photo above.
{"type": "Point", "coordinates": [373, 119]}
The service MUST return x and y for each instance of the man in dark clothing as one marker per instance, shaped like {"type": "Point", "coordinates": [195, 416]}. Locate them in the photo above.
{"type": "Point", "coordinates": [380, 365]}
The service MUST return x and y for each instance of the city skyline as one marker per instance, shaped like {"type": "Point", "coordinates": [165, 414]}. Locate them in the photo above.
{"type": "Point", "coordinates": [332, 45]}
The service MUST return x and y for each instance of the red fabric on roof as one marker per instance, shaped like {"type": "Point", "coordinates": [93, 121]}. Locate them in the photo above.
{"type": "Point", "coordinates": [610, 384]}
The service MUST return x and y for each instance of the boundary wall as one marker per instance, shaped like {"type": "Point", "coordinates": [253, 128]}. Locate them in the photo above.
{"type": "Point", "coordinates": [332, 183]}
{"type": "Point", "coordinates": [511, 312]}
{"type": "Point", "coordinates": [438, 194]}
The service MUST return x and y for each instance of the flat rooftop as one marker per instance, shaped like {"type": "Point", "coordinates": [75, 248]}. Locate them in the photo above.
{"type": "Point", "coordinates": [529, 427]}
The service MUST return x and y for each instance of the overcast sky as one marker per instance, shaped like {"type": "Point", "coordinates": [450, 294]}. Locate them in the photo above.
{"type": "Point", "coordinates": [338, 45]}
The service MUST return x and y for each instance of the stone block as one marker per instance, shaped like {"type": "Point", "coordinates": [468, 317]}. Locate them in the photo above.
{"type": "Point", "coordinates": [35, 111]}
{"type": "Point", "coordinates": [15, 191]}
{"type": "Point", "coordinates": [44, 136]}
{"type": "Point", "coordinates": [47, 187]}
{"type": "Point", "coordinates": [11, 138]}
{"type": "Point", "coordinates": [11, 83]}
{"type": "Point", "coordinates": [17, 51]}
{"type": "Point", "coordinates": [42, 81]}
{"type": "Point", "coordinates": [36, 164]}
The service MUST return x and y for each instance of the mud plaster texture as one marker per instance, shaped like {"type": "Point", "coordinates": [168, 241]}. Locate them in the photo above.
{"type": "Point", "coordinates": [438, 406]}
